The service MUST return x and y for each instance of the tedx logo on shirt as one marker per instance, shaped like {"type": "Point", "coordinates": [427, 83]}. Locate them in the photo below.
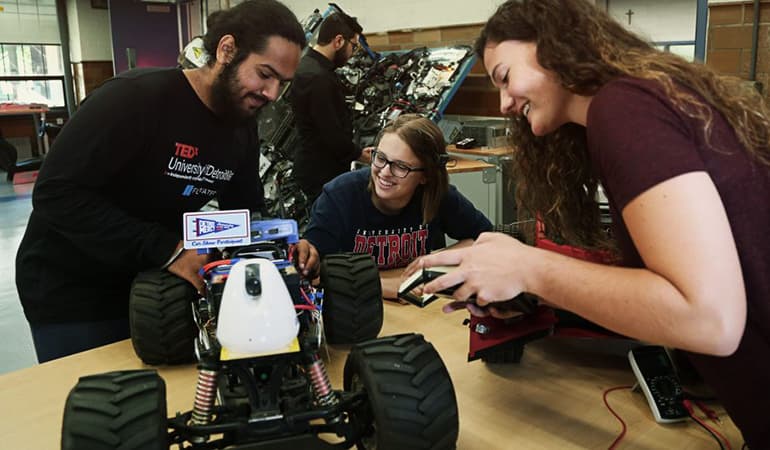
{"type": "Point", "coordinates": [185, 151]}
{"type": "Point", "coordinates": [184, 165]}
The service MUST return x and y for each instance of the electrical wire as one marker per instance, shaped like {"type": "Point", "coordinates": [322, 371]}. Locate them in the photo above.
{"type": "Point", "coordinates": [222, 262]}
{"type": "Point", "coordinates": [722, 447]}
{"type": "Point", "coordinates": [724, 443]}
{"type": "Point", "coordinates": [707, 411]}
{"type": "Point", "coordinates": [622, 423]}
{"type": "Point", "coordinates": [307, 299]}
{"type": "Point", "coordinates": [714, 433]}
{"type": "Point", "coordinates": [292, 248]}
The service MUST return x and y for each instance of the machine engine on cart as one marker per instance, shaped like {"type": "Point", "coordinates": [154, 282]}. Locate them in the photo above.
{"type": "Point", "coordinates": [380, 87]}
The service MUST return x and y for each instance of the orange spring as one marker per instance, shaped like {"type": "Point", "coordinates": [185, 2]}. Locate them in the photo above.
{"type": "Point", "coordinates": [322, 387]}
{"type": "Point", "coordinates": [205, 394]}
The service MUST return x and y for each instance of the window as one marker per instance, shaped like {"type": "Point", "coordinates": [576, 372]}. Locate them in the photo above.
{"type": "Point", "coordinates": [31, 73]}
{"type": "Point", "coordinates": [31, 69]}
{"type": "Point", "coordinates": [685, 49]}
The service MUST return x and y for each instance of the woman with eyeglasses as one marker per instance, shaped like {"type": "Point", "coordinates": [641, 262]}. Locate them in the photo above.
{"type": "Point", "coordinates": [399, 209]}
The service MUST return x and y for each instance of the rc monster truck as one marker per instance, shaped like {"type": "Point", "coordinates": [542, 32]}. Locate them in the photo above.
{"type": "Point", "coordinates": [261, 381]}
{"type": "Point", "coordinates": [163, 331]}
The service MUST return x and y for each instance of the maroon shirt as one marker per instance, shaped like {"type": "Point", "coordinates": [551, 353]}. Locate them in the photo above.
{"type": "Point", "coordinates": [637, 138]}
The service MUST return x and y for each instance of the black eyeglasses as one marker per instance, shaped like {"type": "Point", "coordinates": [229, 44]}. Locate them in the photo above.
{"type": "Point", "coordinates": [353, 45]}
{"type": "Point", "coordinates": [397, 168]}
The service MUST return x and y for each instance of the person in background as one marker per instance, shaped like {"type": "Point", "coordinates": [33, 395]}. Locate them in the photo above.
{"type": "Point", "coordinates": [144, 148]}
{"type": "Point", "coordinates": [322, 117]}
{"type": "Point", "coordinates": [400, 208]}
{"type": "Point", "coordinates": [683, 154]}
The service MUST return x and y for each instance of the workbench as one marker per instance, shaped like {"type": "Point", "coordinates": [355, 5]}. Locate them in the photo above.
{"type": "Point", "coordinates": [552, 399]}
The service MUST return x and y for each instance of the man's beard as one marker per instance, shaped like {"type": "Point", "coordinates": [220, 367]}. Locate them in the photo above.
{"type": "Point", "coordinates": [340, 57]}
{"type": "Point", "coordinates": [225, 99]}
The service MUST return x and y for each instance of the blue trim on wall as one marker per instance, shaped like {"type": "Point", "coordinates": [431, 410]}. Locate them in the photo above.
{"type": "Point", "coordinates": [701, 25]}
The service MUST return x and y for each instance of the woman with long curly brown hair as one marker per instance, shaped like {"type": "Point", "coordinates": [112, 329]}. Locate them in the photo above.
{"type": "Point", "coordinates": [683, 155]}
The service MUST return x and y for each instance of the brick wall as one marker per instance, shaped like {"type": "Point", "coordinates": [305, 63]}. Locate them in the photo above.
{"type": "Point", "coordinates": [729, 40]}
{"type": "Point", "coordinates": [476, 96]}
{"type": "Point", "coordinates": [729, 51]}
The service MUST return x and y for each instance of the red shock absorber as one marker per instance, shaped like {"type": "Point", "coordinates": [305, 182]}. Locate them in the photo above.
{"type": "Point", "coordinates": [205, 394]}
{"type": "Point", "coordinates": [322, 388]}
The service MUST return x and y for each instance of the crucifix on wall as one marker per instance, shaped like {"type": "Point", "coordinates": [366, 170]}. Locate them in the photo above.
{"type": "Point", "coordinates": [629, 13]}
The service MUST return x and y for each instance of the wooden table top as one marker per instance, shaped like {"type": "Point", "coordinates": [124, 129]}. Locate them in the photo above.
{"type": "Point", "coordinates": [7, 109]}
{"type": "Point", "coordinates": [462, 165]}
{"type": "Point", "coordinates": [551, 400]}
{"type": "Point", "coordinates": [480, 151]}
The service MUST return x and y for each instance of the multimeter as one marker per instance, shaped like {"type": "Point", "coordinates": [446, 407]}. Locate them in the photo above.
{"type": "Point", "coordinates": [657, 379]}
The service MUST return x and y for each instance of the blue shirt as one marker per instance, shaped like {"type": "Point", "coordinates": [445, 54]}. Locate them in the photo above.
{"type": "Point", "coordinates": [344, 219]}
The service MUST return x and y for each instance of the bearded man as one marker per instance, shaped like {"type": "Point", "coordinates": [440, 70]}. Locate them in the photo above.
{"type": "Point", "coordinates": [317, 97]}
{"type": "Point", "coordinates": [144, 148]}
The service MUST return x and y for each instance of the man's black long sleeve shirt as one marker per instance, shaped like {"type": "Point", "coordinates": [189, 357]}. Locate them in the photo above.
{"type": "Point", "coordinates": [324, 123]}
{"type": "Point", "coordinates": [140, 151]}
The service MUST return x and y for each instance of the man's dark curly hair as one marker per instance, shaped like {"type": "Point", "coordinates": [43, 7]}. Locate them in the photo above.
{"type": "Point", "coordinates": [338, 24]}
{"type": "Point", "coordinates": [251, 23]}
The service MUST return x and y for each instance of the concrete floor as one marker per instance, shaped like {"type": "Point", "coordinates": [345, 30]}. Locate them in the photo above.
{"type": "Point", "coordinates": [16, 349]}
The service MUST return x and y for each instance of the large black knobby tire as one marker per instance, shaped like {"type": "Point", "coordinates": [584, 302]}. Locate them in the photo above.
{"type": "Point", "coordinates": [411, 400]}
{"type": "Point", "coordinates": [352, 308]}
{"type": "Point", "coordinates": [125, 410]}
{"type": "Point", "coordinates": [160, 315]}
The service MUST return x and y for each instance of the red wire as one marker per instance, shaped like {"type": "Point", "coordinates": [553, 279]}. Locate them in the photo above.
{"type": "Point", "coordinates": [307, 299]}
{"type": "Point", "coordinates": [622, 423]}
{"type": "Point", "coordinates": [707, 411]}
{"type": "Point", "coordinates": [211, 265]}
{"type": "Point", "coordinates": [307, 307]}
{"type": "Point", "coordinates": [688, 406]}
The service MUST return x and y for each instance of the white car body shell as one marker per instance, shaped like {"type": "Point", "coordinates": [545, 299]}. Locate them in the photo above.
{"type": "Point", "coordinates": [256, 324]}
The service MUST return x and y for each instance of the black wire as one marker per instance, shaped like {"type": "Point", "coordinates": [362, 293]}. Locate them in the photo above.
{"type": "Point", "coordinates": [719, 441]}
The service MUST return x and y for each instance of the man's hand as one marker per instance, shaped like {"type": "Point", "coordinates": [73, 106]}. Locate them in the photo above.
{"type": "Point", "coordinates": [187, 265]}
{"type": "Point", "coordinates": [306, 258]}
